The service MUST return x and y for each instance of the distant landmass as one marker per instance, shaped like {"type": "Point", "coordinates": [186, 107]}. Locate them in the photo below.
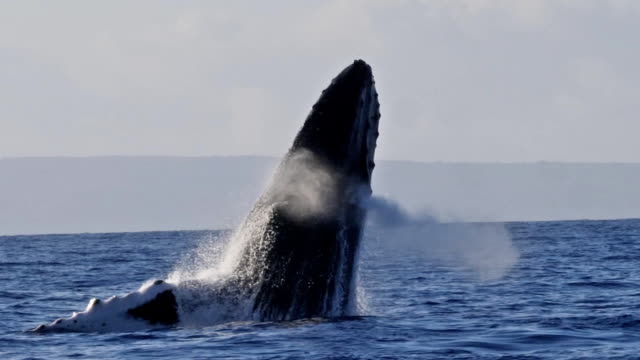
{"type": "Point", "coordinates": [105, 194]}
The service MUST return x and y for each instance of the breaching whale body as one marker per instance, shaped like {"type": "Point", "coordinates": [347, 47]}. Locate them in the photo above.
{"type": "Point", "coordinates": [298, 246]}
{"type": "Point", "coordinates": [305, 258]}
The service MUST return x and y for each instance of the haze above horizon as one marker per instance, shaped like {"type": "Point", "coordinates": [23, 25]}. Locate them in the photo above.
{"type": "Point", "coordinates": [49, 195]}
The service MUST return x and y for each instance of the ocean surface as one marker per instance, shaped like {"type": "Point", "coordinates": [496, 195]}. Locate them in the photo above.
{"type": "Point", "coordinates": [549, 290]}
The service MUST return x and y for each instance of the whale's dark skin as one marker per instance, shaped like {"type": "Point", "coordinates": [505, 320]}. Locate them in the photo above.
{"type": "Point", "coordinates": [306, 267]}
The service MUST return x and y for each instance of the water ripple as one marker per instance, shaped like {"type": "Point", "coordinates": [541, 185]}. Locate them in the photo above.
{"type": "Point", "coordinates": [572, 295]}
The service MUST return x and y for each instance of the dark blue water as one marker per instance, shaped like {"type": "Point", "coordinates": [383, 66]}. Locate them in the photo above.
{"type": "Point", "coordinates": [573, 294]}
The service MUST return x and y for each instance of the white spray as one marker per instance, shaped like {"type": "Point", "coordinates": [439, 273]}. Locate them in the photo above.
{"type": "Point", "coordinates": [485, 248]}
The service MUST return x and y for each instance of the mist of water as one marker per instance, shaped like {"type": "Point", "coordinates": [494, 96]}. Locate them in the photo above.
{"type": "Point", "coordinates": [305, 186]}
{"type": "Point", "coordinates": [485, 248]}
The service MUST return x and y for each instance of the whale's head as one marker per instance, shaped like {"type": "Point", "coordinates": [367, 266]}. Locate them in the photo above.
{"type": "Point", "coordinates": [331, 162]}
{"type": "Point", "coordinates": [342, 127]}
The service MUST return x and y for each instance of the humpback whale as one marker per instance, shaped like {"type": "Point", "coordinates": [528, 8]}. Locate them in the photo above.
{"type": "Point", "coordinates": [301, 262]}
{"type": "Point", "coordinates": [299, 243]}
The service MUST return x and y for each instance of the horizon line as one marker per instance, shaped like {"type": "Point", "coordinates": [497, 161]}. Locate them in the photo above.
{"type": "Point", "coordinates": [231, 229]}
{"type": "Point", "coordinates": [444, 162]}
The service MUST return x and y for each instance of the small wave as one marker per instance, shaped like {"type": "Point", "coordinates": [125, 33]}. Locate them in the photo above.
{"type": "Point", "coordinates": [486, 345]}
{"type": "Point", "coordinates": [623, 321]}
{"type": "Point", "coordinates": [15, 295]}
{"type": "Point", "coordinates": [546, 338]}
{"type": "Point", "coordinates": [31, 263]}
{"type": "Point", "coordinates": [604, 284]}
{"type": "Point", "coordinates": [134, 336]}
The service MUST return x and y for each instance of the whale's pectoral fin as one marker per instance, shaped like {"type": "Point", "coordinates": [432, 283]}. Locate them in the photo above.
{"type": "Point", "coordinates": [163, 309]}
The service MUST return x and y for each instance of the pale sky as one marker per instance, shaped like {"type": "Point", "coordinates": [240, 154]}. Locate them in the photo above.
{"type": "Point", "coordinates": [466, 80]}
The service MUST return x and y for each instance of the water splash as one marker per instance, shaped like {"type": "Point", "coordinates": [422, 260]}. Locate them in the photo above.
{"type": "Point", "coordinates": [211, 285]}
{"type": "Point", "coordinates": [219, 280]}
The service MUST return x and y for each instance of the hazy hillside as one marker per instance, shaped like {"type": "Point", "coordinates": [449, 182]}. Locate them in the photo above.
{"type": "Point", "coordinates": [51, 195]}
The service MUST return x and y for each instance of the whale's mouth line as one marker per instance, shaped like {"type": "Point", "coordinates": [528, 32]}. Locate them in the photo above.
{"type": "Point", "coordinates": [294, 257]}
